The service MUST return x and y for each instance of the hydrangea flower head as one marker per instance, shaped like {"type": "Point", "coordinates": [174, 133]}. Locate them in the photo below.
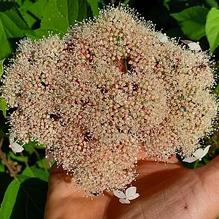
{"type": "Point", "coordinates": [111, 88]}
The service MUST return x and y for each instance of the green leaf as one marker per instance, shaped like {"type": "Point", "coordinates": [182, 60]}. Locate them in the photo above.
{"type": "Point", "coordinates": [59, 14]}
{"type": "Point", "coordinates": [73, 9]}
{"type": "Point", "coordinates": [30, 20]}
{"type": "Point", "coordinates": [166, 4]}
{"type": "Point", "coordinates": [192, 21]}
{"type": "Point", "coordinates": [19, 2]}
{"type": "Point", "coordinates": [5, 48]}
{"type": "Point", "coordinates": [2, 167]}
{"type": "Point", "coordinates": [3, 106]}
{"type": "Point", "coordinates": [36, 8]}
{"type": "Point", "coordinates": [212, 28]}
{"type": "Point", "coordinates": [13, 24]}
{"type": "Point", "coordinates": [32, 11]}
{"type": "Point", "coordinates": [217, 90]}
{"type": "Point", "coordinates": [212, 3]}
{"type": "Point", "coordinates": [25, 197]}
{"type": "Point", "coordinates": [28, 172]}
{"type": "Point", "coordinates": [29, 147]}
{"type": "Point", "coordinates": [94, 6]}
{"type": "Point", "coordinates": [1, 67]}
{"type": "Point", "coordinates": [5, 181]}
{"type": "Point", "coordinates": [39, 146]}
{"type": "Point", "coordinates": [36, 172]}
{"type": "Point", "coordinates": [10, 196]}
{"type": "Point", "coordinates": [40, 33]}
{"type": "Point", "coordinates": [82, 10]}
{"type": "Point", "coordinates": [32, 145]}
{"type": "Point", "coordinates": [19, 158]}
{"type": "Point", "coordinates": [53, 18]}
{"type": "Point", "coordinates": [30, 200]}
{"type": "Point", "coordinates": [126, 2]}
{"type": "Point", "coordinates": [44, 163]}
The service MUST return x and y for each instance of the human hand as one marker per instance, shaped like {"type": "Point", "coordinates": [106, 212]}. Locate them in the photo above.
{"type": "Point", "coordinates": [167, 191]}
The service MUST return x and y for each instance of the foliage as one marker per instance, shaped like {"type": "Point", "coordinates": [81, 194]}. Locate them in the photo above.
{"type": "Point", "coordinates": [24, 176]}
{"type": "Point", "coordinates": [3, 106]}
{"type": "Point", "coordinates": [192, 21]}
{"type": "Point", "coordinates": [26, 193]}
{"type": "Point", "coordinates": [200, 21]}
{"type": "Point", "coordinates": [212, 28]}
{"type": "Point", "coordinates": [36, 19]}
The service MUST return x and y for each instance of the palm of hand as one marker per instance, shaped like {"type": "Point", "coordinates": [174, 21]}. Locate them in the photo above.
{"type": "Point", "coordinates": [167, 191]}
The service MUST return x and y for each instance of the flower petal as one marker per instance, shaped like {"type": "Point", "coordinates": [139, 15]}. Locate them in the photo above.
{"type": "Point", "coordinates": [162, 37]}
{"type": "Point", "coordinates": [16, 148]}
{"type": "Point", "coordinates": [124, 201]}
{"type": "Point", "coordinates": [205, 151]}
{"type": "Point", "coordinates": [194, 46]}
{"type": "Point", "coordinates": [136, 195]}
{"type": "Point", "coordinates": [11, 138]}
{"type": "Point", "coordinates": [199, 153]}
{"type": "Point", "coordinates": [189, 159]}
{"type": "Point", "coordinates": [119, 194]}
{"type": "Point", "coordinates": [130, 191]}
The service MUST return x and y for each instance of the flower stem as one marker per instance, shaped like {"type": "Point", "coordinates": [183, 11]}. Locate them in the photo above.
{"type": "Point", "coordinates": [5, 161]}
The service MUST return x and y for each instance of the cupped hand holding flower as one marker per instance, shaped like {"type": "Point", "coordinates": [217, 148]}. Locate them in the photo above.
{"type": "Point", "coordinates": [167, 191]}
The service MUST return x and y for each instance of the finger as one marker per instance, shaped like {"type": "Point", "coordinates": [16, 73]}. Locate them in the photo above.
{"type": "Point", "coordinates": [58, 174]}
{"type": "Point", "coordinates": [209, 175]}
{"type": "Point", "coordinates": [61, 184]}
{"type": "Point", "coordinates": [212, 168]}
{"type": "Point", "coordinates": [67, 200]}
{"type": "Point", "coordinates": [214, 164]}
{"type": "Point", "coordinates": [145, 167]}
{"type": "Point", "coordinates": [142, 155]}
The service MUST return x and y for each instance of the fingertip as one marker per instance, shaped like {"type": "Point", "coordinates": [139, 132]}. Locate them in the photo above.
{"type": "Point", "coordinates": [210, 173]}
{"type": "Point", "coordinates": [214, 163]}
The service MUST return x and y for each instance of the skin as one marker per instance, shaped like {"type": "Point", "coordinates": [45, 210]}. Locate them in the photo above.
{"type": "Point", "coordinates": [167, 191]}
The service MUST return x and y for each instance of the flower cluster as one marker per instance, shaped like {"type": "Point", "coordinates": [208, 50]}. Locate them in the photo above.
{"type": "Point", "coordinates": [111, 88]}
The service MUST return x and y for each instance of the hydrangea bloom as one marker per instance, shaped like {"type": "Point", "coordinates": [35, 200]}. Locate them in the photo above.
{"type": "Point", "coordinates": [197, 155]}
{"type": "Point", "coordinates": [15, 147]}
{"type": "Point", "coordinates": [127, 196]}
{"type": "Point", "coordinates": [111, 88]}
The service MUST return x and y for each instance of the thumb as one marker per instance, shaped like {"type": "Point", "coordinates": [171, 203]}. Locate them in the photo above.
{"type": "Point", "coordinates": [66, 200]}
{"type": "Point", "coordinates": [211, 170]}
{"type": "Point", "coordinates": [214, 164]}
{"type": "Point", "coordinates": [209, 175]}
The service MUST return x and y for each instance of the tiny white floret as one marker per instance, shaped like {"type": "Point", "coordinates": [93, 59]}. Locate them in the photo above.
{"type": "Point", "coordinates": [194, 46]}
{"type": "Point", "coordinates": [197, 155]}
{"type": "Point", "coordinates": [162, 37]}
{"type": "Point", "coordinates": [15, 147]}
{"type": "Point", "coordinates": [125, 197]}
